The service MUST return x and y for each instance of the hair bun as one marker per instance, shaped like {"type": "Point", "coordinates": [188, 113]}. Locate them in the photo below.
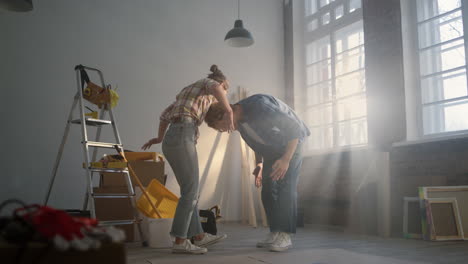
{"type": "Point", "coordinates": [216, 74]}
{"type": "Point", "coordinates": [214, 68]}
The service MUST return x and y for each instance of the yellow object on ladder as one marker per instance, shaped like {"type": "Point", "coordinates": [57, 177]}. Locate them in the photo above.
{"type": "Point", "coordinates": [164, 199]}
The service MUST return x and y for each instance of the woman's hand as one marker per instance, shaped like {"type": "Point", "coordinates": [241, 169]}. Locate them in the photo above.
{"type": "Point", "coordinates": [220, 94]}
{"type": "Point", "coordinates": [228, 121]}
{"type": "Point", "coordinates": [150, 142]}
{"type": "Point", "coordinates": [280, 167]}
{"type": "Point", "coordinates": [258, 175]}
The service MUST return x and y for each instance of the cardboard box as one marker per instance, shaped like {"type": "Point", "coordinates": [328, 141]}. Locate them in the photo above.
{"type": "Point", "coordinates": [115, 209]}
{"type": "Point", "coordinates": [145, 170]}
{"type": "Point", "coordinates": [111, 164]}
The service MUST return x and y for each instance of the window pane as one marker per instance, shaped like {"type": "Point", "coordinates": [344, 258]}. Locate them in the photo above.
{"type": "Point", "coordinates": [446, 117]}
{"type": "Point", "coordinates": [310, 7]}
{"type": "Point", "coordinates": [349, 37]}
{"type": "Point", "coordinates": [456, 116]}
{"type": "Point", "coordinates": [339, 11]}
{"type": "Point", "coordinates": [319, 93]}
{"type": "Point", "coordinates": [353, 107]}
{"type": "Point", "coordinates": [320, 138]}
{"type": "Point", "coordinates": [445, 86]}
{"type": "Point", "coordinates": [352, 132]}
{"type": "Point", "coordinates": [320, 115]}
{"type": "Point", "coordinates": [325, 2]}
{"type": "Point", "coordinates": [318, 72]}
{"type": "Point", "coordinates": [318, 50]}
{"type": "Point", "coordinates": [442, 58]}
{"type": "Point", "coordinates": [354, 5]}
{"type": "Point", "coordinates": [312, 25]}
{"type": "Point", "coordinates": [350, 84]}
{"type": "Point", "coordinates": [432, 8]}
{"type": "Point", "coordinates": [326, 19]}
{"type": "Point", "coordinates": [349, 61]}
{"type": "Point", "coordinates": [440, 30]}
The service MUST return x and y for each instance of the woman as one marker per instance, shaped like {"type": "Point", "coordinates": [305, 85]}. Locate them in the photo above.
{"type": "Point", "coordinates": [183, 117]}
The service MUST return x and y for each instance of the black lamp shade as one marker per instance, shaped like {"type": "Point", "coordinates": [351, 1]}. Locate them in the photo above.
{"type": "Point", "coordinates": [16, 5]}
{"type": "Point", "coordinates": [239, 36]}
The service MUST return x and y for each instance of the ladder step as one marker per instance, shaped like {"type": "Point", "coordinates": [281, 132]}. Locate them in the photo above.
{"type": "Point", "coordinates": [102, 144]}
{"type": "Point", "coordinates": [93, 122]}
{"type": "Point", "coordinates": [117, 222]}
{"type": "Point", "coordinates": [112, 195]}
{"type": "Point", "coordinates": [112, 170]}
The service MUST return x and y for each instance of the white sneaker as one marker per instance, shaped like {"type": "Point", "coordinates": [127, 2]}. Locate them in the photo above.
{"type": "Point", "coordinates": [209, 239]}
{"type": "Point", "coordinates": [268, 241]}
{"type": "Point", "coordinates": [281, 243]}
{"type": "Point", "coordinates": [188, 248]}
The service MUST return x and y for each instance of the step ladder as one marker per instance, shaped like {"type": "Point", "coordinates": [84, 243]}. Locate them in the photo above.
{"type": "Point", "coordinates": [87, 144]}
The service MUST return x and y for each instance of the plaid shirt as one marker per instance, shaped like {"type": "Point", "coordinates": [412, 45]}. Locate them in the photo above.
{"type": "Point", "coordinates": [192, 102]}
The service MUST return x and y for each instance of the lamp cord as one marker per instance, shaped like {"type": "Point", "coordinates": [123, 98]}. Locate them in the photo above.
{"type": "Point", "coordinates": [238, 9]}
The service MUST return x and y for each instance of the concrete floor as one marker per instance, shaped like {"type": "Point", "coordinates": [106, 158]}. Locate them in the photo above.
{"type": "Point", "coordinates": [312, 245]}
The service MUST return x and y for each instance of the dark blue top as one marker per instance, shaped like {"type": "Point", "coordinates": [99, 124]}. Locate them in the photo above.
{"type": "Point", "coordinates": [273, 121]}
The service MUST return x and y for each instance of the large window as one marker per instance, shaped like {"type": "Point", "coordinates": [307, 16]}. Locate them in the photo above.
{"type": "Point", "coordinates": [442, 65]}
{"type": "Point", "coordinates": [335, 106]}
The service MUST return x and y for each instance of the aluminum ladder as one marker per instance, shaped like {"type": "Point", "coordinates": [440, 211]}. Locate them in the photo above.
{"type": "Point", "coordinates": [84, 122]}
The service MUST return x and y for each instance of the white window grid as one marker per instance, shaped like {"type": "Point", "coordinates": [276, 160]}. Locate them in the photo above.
{"type": "Point", "coordinates": [331, 127]}
{"type": "Point", "coordinates": [442, 65]}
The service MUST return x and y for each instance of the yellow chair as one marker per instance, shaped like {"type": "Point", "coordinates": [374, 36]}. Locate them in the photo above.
{"type": "Point", "coordinates": [164, 200]}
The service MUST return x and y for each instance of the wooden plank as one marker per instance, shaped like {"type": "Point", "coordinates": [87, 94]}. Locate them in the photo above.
{"type": "Point", "coordinates": [444, 219]}
{"type": "Point", "coordinates": [406, 217]}
{"type": "Point", "coordinates": [458, 192]}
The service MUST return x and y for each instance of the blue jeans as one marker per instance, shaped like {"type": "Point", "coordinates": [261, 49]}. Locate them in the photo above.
{"type": "Point", "coordinates": [180, 151]}
{"type": "Point", "coordinates": [279, 198]}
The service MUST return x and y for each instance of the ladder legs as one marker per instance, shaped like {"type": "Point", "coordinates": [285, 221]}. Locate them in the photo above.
{"type": "Point", "coordinates": [84, 136]}
{"type": "Point", "coordinates": [60, 152]}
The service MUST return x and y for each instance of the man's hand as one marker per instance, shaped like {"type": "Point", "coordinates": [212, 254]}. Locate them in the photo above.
{"type": "Point", "coordinates": [258, 175]}
{"type": "Point", "coordinates": [280, 167]}
{"type": "Point", "coordinates": [150, 142]}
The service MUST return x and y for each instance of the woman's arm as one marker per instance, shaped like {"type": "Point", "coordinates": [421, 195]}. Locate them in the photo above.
{"type": "Point", "coordinates": [164, 121]}
{"type": "Point", "coordinates": [220, 94]}
{"type": "Point", "coordinates": [162, 131]}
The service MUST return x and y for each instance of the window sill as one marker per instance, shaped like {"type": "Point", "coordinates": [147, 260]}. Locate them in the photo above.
{"type": "Point", "coordinates": [434, 138]}
{"type": "Point", "coordinates": [336, 151]}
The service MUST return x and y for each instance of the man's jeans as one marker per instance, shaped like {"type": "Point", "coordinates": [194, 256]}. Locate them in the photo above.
{"type": "Point", "coordinates": [280, 197]}
{"type": "Point", "coordinates": [181, 153]}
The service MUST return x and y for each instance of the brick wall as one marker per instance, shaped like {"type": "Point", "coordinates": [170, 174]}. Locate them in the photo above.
{"type": "Point", "coordinates": [425, 164]}
{"type": "Point", "coordinates": [345, 188]}
{"type": "Point", "coordinates": [340, 189]}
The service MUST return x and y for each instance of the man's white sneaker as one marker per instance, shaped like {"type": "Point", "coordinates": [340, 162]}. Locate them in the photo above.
{"type": "Point", "coordinates": [268, 241]}
{"type": "Point", "coordinates": [188, 248]}
{"type": "Point", "coordinates": [209, 239]}
{"type": "Point", "coordinates": [281, 243]}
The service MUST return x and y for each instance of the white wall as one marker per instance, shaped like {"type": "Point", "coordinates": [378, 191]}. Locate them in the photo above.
{"type": "Point", "coordinates": [150, 49]}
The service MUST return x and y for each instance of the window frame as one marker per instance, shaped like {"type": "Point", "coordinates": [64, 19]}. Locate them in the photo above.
{"type": "Point", "coordinates": [329, 31]}
{"type": "Point", "coordinates": [438, 123]}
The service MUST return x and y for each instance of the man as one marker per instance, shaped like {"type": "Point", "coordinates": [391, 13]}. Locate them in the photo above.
{"type": "Point", "coordinates": [275, 133]}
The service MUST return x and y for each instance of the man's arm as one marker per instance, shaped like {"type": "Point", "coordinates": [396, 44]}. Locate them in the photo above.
{"type": "Point", "coordinates": [280, 167]}
{"type": "Point", "coordinates": [258, 169]}
{"type": "Point", "coordinates": [258, 158]}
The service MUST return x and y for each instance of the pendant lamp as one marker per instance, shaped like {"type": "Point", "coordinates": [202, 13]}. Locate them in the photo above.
{"type": "Point", "coordinates": [239, 36]}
